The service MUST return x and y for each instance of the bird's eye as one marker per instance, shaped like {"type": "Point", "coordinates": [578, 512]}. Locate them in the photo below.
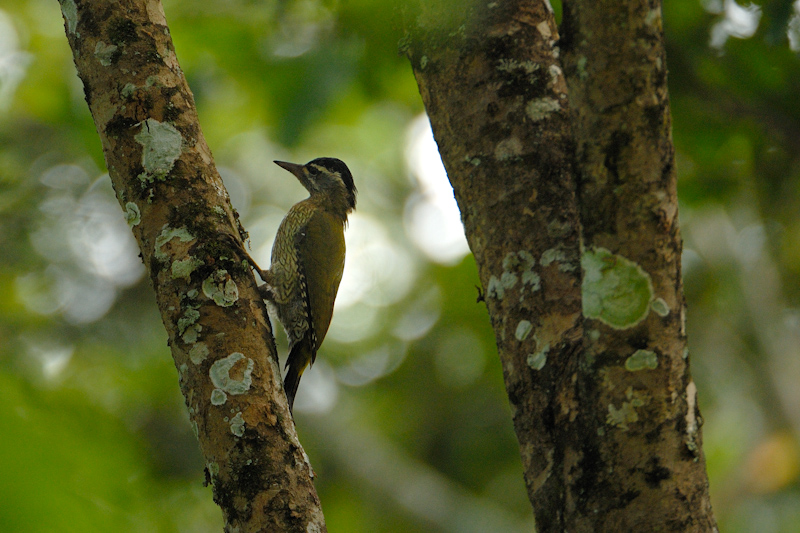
{"type": "Point", "coordinates": [314, 171]}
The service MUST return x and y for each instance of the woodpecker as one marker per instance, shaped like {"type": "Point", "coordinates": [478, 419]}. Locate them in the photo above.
{"type": "Point", "coordinates": [308, 261]}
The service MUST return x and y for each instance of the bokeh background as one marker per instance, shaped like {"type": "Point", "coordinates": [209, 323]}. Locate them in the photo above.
{"type": "Point", "coordinates": [404, 415]}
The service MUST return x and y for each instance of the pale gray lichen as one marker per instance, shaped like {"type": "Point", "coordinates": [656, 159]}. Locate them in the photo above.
{"type": "Point", "coordinates": [218, 397]}
{"type": "Point", "coordinates": [652, 16]}
{"type": "Point", "coordinates": [581, 64]}
{"type": "Point", "coordinates": [190, 316]}
{"type": "Point", "coordinates": [161, 147]}
{"type": "Point", "coordinates": [626, 414]}
{"type": "Point", "coordinates": [191, 333]}
{"type": "Point", "coordinates": [237, 425]}
{"type": "Point", "coordinates": [132, 214]}
{"type": "Point", "coordinates": [555, 73]}
{"type": "Point", "coordinates": [692, 422]}
{"type": "Point", "coordinates": [523, 330]}
{"type": "Point", "coordinates": [166, 235]}
{"type": "Point", "coordinates": [511, 65]}
{"type": "Point", "coordinates": [221, 288]}
{"type": "Point", "coordinates": [529, 277]}
{"type": "Point", "coordinates": [183, 268]}
{"type": "Point", "coordinates": [538, 359]}
{"type": "Point", "coordinates": [70, 12]}
{"type": "Point", "coordinates": [516, 265]}
{"type": "Point", "coordinates": [559, 256]}
{"type": "Point", "coordinates": [423, 62]}
{"type": "Point", "coordinates": [104, 52]}
{"type": "Point", "coordinates": [198, 353]}
{"type": "Point", "coordinates": [659, 307]}
{"type": "Point", "coordinates": [495, 289]}
{"type": "Point", "coordinates": [220, 374]}
{"type": "Point", "coordinates": [641, 360]}
{"type": "Point", "coordinates": [213, 470]}
{"type": "Point", "coordinates": [127, 90]}
{"type": "Point", "coordinates": [615, 290]}
{"type": "Point", "coordinates": [508, 148]}
{"type": "Point", "coordinates": [541, 108]}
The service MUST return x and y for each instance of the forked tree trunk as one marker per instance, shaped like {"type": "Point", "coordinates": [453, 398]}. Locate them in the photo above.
{"type": "Point", "coordinates": [569, 204]}
{"type": "Point", "coordinates": [571, 214]}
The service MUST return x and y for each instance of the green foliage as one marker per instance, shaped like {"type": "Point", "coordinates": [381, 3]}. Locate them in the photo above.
{"type": "Point", "coordinates": [407, 382]}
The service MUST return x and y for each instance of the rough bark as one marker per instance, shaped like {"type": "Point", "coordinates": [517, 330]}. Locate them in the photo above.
{"type": "Point", "coordinates": [588, 313]}
{"type": "Point", "coordinates": [180, 214]}
{"type": "Point", "coordinates": [497, 101]}
{"type": "Point", "coordinates": [636, 377]}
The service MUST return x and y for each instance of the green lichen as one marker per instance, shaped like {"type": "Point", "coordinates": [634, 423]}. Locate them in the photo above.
{"type": "Point", "coordinates": [221, 288]}
{"type": "Point", "coordinates": [615, 290]}
{"type": "Point", "coordinates": [523, 330]}
{"type": "Point", "coordinates": [166, 235]}
{"type": "Point", "coordinates": [183, 268]}
{"type": "Point", "coordinates": [220, 374]}
{"type": "Point", "coordinates": [659, 307]}
{"type": "Point", "coordinates": [641, 360]}
{"type": "Point", "coordinates": [237, 425]}
{"type": "Point", "coordinates": [198, 353]}
{"type": "Point", "coordinates": [218, 397]}
{"type": "Point", "coordinates": [70, 11]}
{"type": "Point", "coordinates": [105, 53]}
{"type": "Point", "coordinates": [162, 145]}
{"type": "Point", "coordinates": [132, 214]}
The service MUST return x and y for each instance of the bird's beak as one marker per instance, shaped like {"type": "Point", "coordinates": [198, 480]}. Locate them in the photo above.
{"type": "Point", "coordinates": [294, 168]}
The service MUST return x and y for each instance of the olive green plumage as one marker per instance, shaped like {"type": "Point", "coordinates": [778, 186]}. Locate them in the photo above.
{"type": "Point", "coordinates": [308, 261]}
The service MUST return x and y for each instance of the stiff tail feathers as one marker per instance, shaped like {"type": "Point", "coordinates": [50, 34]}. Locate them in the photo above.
{"type": "Point", "coordinates": [300, 357]}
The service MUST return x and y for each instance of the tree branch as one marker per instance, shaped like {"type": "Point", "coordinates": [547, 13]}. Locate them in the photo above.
{"type": "Point", "coordinates": [189, 236]}
{"type": "Point", "coordinates": [496, 98]}
{"type": "Point", "coordinates": [639, 434]}
{"type": "Point", "coordinates": [583, 289]}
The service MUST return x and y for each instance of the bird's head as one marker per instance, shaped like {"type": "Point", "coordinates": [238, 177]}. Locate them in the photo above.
{"type": "Point", "coordinates": [327, 176]}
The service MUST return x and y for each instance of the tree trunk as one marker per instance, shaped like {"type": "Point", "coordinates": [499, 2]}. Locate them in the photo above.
{"type": "Point", "coordinates": [572, 217]}
{"type": "Point", "coordinates": [180, 214]}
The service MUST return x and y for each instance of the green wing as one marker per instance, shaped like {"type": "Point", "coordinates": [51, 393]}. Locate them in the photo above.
{"type": "Point", "coordinates": [321, 252]}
